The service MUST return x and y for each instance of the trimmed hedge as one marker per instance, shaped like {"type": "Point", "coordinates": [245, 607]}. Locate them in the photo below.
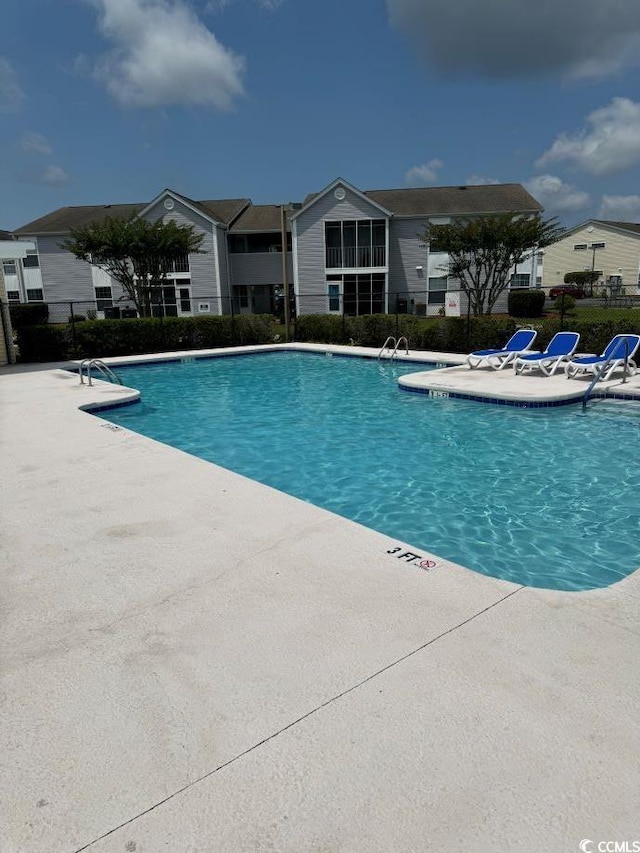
{"type": "Point", "coordinates": [31, 314]}
{"type": "Point", "coordinates": [525, 303]}
{"type": "Point", "coordinates": [42, 343]}
{"type": "Point", "coordinates": [103, 338]}
{"type": "Point", "coordinates": [442, 334]}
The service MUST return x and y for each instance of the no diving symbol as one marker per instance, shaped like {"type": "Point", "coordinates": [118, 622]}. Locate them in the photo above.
{"type": "Point", "coordinates": [424, 563]}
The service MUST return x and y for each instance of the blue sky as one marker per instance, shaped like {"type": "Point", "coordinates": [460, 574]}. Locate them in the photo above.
{"type": "Point", "coordinates": [109, 101]}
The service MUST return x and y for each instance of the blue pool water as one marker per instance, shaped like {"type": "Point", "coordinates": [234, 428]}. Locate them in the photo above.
{"type": "Point", "coordinates": [545, 498]}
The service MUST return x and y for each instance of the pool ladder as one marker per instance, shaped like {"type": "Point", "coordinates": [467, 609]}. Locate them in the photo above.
{"type": "Point", "coordinates": [598, 374]}
{"type": "Point", "coordinates": [86, 365]}
{"type": "Point", "coordinates": [392, 342]}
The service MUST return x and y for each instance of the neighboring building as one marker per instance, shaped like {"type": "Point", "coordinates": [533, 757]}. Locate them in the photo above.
{"type": "Point", "coordinates": [347, 251]}
{"type": "Point", "coordinates": [610, 248]}
{"type": "Point", "coordinates": [368, 246]}
{"type": "Point", "coordinates": [12, 255]}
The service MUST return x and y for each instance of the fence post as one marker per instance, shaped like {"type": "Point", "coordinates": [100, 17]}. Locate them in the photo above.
{"type": "Point", "coordinates": [397, 314]}
{"type": "Point", "coordinates": [4, 321]}
{"type": "Point", "coordinates": [72, 320]}
{"type": "Point", "coordinates": [562, 312]}
{"type": "Point", "coordinates": [233, 321]}
{"type": "Point", "coordinates": [468, 323]}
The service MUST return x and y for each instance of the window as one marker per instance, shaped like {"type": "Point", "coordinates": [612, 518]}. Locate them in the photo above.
{"type": "Point", "coordinates": [9, 268]}
{"type": "Point", "coordinates": [363, 294]}
{"type": "Point", "coordinates": [183, 286]}
{"type": "Point", "coordinates": [269, 241]}
{"type": "Point", "coordinates": [32, 260]}
{"type": "Point", "coordinates": [13, 295]}
{"type": "Point", "coordinates": [180, 264]}
{"type": "Point", "coordinates": [437, 290]}
{"type": "Point", "coordinates": [334, 297]}
{"type": "Point", "coordinates": [353, 243]}
{"type": "Point", "coordinates": [434, 245]}
{"type": "Point", "coordinates": [520, 279]}
{"type": "Point", "coordinates": [35, 295]}
{"type": "Point", "coordinates": [104, 298]}
{"type": "Point", "coordinates": [597, 246]}
{"type": "Point", "coordinates": [580, 247]}
{"type": "Point", "coordinates": [243, 296]}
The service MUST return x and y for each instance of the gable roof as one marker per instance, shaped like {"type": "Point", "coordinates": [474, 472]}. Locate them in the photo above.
{"type": "Point", "coordinates": [314, 197]}
{"type": "Point", "coordinates": [219, 211]}
{"type": "Point", "coordinates": [629, 227]}
{"type": "Point", "coordinates": [634, 227]}
{"type": "Point", "coordinates": [446, 201]}
{"type": "Point", "coordinates": [61, 221]}
{"type": "Point", "coordinates": [260, 217]}
{"type": "Point", "coordinates": [461, 200]}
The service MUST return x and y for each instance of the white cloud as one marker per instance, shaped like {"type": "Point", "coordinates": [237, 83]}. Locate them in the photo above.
{"type": "Point", "coordinates": [521, 38]}
{"type": "Point", "coordinates": [609, 143]}
{"type": "Point", "coordinates": [480, 180]}
{"type": "Point", "coordinates": [35, 142]}
{"type": "Point", "coordinates": [217, 6]}
{"type": "Point", "coordinates": [54, 176]}
{"type": "Point", "coordinates": [11, 95]}
{"type": "Point", "coordinates": [425, 174]}
{"type": "Point", "coordinates": [623, 208]}
{"type": "Point", "coordinates": [164, 55]}
{"type": "Point", "coordinates": [556, 196]}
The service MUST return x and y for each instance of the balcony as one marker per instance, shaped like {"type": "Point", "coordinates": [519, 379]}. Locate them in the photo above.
{"type": "Point", "coordinates": [352, 257]}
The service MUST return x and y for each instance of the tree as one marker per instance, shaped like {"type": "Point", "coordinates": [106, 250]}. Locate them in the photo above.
{"type": "Point", "coordinates": [484, 249]}
{"type": "Point", "coordinates": [136, 253]}
{"type": "Point", "coordinates": [582, 278]}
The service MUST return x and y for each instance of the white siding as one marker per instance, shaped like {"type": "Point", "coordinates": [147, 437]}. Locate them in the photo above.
{"type": "Point", "coordinates": [311, 277]}
{"type": "Point", "coordinates": [621, 256]}
{"type": "Point", "coordinates": [259, 268]}
{"type": "Point", "coordinates": [65, 278]}
{"type": "Point", "coordinates": [203, 269]}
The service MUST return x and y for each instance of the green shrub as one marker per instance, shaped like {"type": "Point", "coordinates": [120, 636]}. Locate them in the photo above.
{"type": "Point", "coordinates": [525, 303]}
{"type": "Point", "coordinates": [43, 343]}
{"type": "Point", "coordinates": [31, 314]}
{"type": "Point", "coordinates": [103, 338]}
{"type": "Point", "coordinates": [564, 303]}
{"type": "Point", "coordinates": [76, 318]}
{"type": "Point", "coordinates": [325, 328]}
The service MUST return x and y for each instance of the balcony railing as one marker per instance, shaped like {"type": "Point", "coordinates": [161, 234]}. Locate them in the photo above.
{"type": "Point", "coordinates": [351, 257]}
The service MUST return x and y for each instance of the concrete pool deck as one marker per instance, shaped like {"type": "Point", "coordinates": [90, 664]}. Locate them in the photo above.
{"type": "Point", "coordinates": [195, 662]}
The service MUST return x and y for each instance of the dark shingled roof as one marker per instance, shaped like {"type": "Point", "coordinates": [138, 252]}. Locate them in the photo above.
{"type": "Point", "coordinates": [443, 201]}
{"type": "Point", "coordinates": [626, 226]}
{"type": "Point", "coordinates": [222, 210]}
{"type": "Point", "coordinates": [259, 217]}
{"type": "Point", "coordinates": [6, 235]}
{"type": "Point", "coordinates": [61, 221]}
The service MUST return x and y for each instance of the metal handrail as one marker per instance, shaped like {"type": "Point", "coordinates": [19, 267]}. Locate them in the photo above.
{"type": "Point", "coordinates": [406, 346]}
{"type": "Point", "coordinates": [101, 367]}
{"type": "Point", "coordinates": [385, 345]}
{"type": "Point", "coordinates": [599, 373]}
{"type": "Point", "coordinates": [396, 344]}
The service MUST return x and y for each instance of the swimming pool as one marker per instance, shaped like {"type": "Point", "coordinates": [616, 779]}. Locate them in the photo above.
{"type": "Point", "coordinates": [541, 497]}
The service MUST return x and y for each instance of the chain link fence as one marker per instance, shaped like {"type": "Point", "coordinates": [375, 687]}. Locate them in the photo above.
{"type": "Point", "coordinates": [563, 307]}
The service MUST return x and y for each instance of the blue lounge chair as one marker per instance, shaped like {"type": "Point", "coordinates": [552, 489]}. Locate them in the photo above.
{"type": "Point", "coordinates": [619, 350]}
{"type": "Point", "coordinates": [561, 347]}
{"type": "Point", "coordinates": [499, 358]}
